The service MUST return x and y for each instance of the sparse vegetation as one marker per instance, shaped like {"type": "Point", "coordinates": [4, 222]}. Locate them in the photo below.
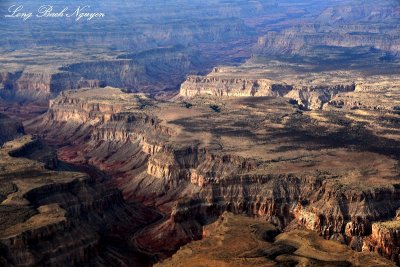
{"type": "Point", "coordinates": [215, 108]}
{"type": "Point", "coordinates": [303, 108]}
{"type": "Point", "coordinates": [188, 105]}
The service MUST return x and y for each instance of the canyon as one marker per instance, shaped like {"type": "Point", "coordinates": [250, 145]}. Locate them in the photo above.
{"type": "Point", "coordinates": [339, 180]}
{"type": "Point", "coordinates": [158, 69]}
{"type": "Point", "coordinates": [217, 133]}
{"type": "Point", "coordinates": [192, 39]}
{"type": "Point", "coordinates": [52, 214]}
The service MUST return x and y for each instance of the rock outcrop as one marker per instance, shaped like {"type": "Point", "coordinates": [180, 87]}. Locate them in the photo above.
{"type": "Point", "coordinates": [242, 241]}
{"type": "Point", "coordinates": [343, 29]}
{"type": "Point", "coordinates": [319, 170]}
{"type": "Point", "coordinates": [155, 69]}
{"type": "Point", "coordinates": [384, 239]}
{"type": "Point", "coordinates": [41, 85]}
{"type": "Point", "coordinates": [9, 128]}
{"type": "Point", "coordinates": [308, 96]}
{"type": "Point", "coordinates": [197, 85]}
{"type": "Point", "coordinates": [61, 217]}
{"type": "Point", "coordinates": [305, 134]}
{"type": "Point", "coordinates": [298, 41]}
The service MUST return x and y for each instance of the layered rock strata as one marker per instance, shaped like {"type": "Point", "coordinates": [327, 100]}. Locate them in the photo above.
{"type": "Point", "coordinates": [41, 84]}
{"type": "Point", "coordinates": [331, 172]}
{"type": "Point", "coordinates": [310, 97]}
{"type": "Point", "coordinates": [9, 128]}
{"type": "Point", "coordinates": [242, 241]}
{"type": "Point", "coordinates": [62, 217]}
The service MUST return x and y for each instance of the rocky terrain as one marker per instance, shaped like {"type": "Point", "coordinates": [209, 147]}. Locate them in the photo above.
{"type": "Point", "coordinates": [242, 241]}
{"type": "Point", "coordinates": [340, 165]}
{"type": "Point", "coordinates": [155, 70]}
{"type": "Point", "coordinates": [267, 131]}
{"type": "Point", "coordinates": [345, 27]}
{"type": "Point", "coordinates": [9, 128]}
{"type": "Point", "coordinates": [129, 48]}
{"type": "Point", "coordinates": [316, 59]}
{"type": "Point", "coordinates": [54, 216]}
{"type": "Point", "coordinates": [222, 82]}
{"type": "Point", "coordinates": [184, 39]}
{"type": "Point", "coordinates": [310, 89]}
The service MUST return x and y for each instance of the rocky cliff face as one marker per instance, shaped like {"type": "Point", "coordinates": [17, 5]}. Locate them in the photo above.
{"type": "Point", "coordinates": [309, 96]}
{"type": "Point", "coordinates": [314, 97]}
{"type": "Point", "coordinates": [197, 85]}
{"type": "Point", "coordinates": [153, 70]}
{"type": "Point", "coordinates": [41, 84]}
{"type": "Point", "coordinates": [243, 241]}
{"type": "Point", "coordinates": [292, 136]}
{"type": "Point", "coordinates": [60, 217]}
{"type": "Point", "coordinates": [384, 240]}
{"type": "Point", "coordinates": [184, 161]}
{"type": "Point", "coordinates": [154, 56]}
{"type": "Point", "coordinates": [158, 69]}
{"type": "Point", "coordinates": [177, 23]}
{"type": "Point", "coordinates": [300, 41]}
{"type": "Point", "coordinates": [338, 28]}
{"type": "Point", "coordinates": [9, 128]}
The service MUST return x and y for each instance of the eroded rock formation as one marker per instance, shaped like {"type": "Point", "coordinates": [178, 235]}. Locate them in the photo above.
{"type": "Point", "coordinates": [63, 217]}
{"type": "Point", "coordinates": [9, 128]}
{"type": "Point", "coordinates": [41, 84]}
{"type": "Point", "coordinates": [242, 241]}
{"type": "Point", "coordinates": [310, 97]}
{"type": "Point", "coordinates": [326, 171]}
{"type": "Point", "coordinates": [305, 134]}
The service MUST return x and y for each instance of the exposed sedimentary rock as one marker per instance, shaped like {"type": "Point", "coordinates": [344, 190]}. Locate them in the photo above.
{"type": "Point", "coordinates": [384, 239]}
{"type": "Point", "coordinates": [156, 69]}
{"type": "Point", "coordinates": [301, 41]}
{"type": "Point", "coordinates": [240, 139]}
{"type": "Point", "coordinates": [9, 128]}
{"type": "Point", "coordinates": [311, 96]}
{"type": "Point", "coordinates": [242, 241]}
{"type": "Point", "coordinates": [197, 85]}
{"type": "Point", "coordinates": [60, 217]}
{"type": "Point", "coordinates": [321, 170]}
{"type": "Point", "coordinates": [41, 84]}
